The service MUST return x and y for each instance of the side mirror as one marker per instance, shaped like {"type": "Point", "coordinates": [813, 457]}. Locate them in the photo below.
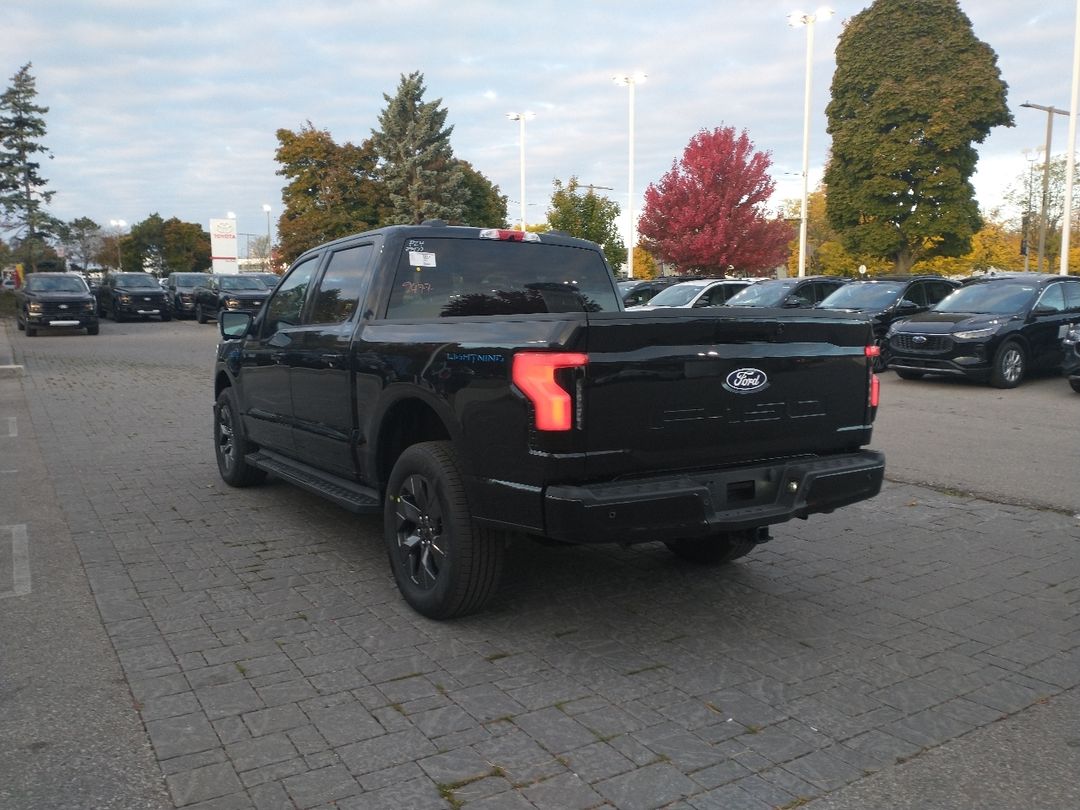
{"type": "Point", "coordinates": [1043, 309]}
{"type": "Point", "coordinates": [907, 306]}
{"type": "Point", "coordinates": [234, 324]}
{"type": "Point", "coordinates": [795, 301]}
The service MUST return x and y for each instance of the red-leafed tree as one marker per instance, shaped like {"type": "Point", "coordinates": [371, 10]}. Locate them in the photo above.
{"type": "Point", "coordinates": [707, 214]}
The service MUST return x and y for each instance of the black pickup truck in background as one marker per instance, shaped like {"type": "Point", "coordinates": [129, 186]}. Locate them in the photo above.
{"type": "Point", "coordinates": [55, 300]}
{"type": "Point", "coordinates": [476, 385]}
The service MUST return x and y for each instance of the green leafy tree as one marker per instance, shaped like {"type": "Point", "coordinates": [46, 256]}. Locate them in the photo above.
{"type": "Point", "coordinates": [1026, 195]}
{"type": "Point", "coordinates": [143, 247]}
{"type": "Point", "coordinates": [185, 247]}
{"type": "Point", "coordinates": [331, 190]}
{"type": "Point", "coordinates": [825, 254]}
{"type": "Point", "coordinates": [416, 163]}
{"type": "Point", "coordinates": [913, 91]}
{"type": "Point", "coordinates": [485, 206]}
{"type": "Point", "coordinates": [81, 239]}
{"type": "Point", "coordinates": [23, 196]}
{"type": "Point", "coordinates": [583, 213]}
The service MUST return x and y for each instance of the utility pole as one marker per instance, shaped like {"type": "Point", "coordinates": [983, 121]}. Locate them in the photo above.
{"type": "Point", "coordinates": [1043, 214]}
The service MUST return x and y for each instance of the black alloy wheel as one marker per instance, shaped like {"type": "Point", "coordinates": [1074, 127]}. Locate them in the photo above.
{"type": "Point", "coordinates": [1010, 364]}
{"type": "Point", "coordinates": [712, 550]}
{"type": "Point", "coordinates": [231, 445]}
{"type": "Point", "coordinates": [445, 566]}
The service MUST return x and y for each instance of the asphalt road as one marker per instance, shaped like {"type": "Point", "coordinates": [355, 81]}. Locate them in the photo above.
{"type": "Point", "coordinates": [169, 641]}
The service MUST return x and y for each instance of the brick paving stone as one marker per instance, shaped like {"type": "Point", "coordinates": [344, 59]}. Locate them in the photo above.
{"type": "Point", "coordinates": [646, 788]}
{"type": "Point", "coordinates": [597, 761]}
{"type": "Point", "coordinates": [416, 794]}
{"type": "Point", "coordinates": [228, 699]}
{"type": "Point", "coordinates": [186, 734]}
{"type": "Point", "coordinates": [385, 751]}
{"type": "Point", "coordinates": [377, 780]}
{"type": "Point", "coordinates": [565, 791]}
{"type": "Point", "coordinates": [345, 723]}
{"type": "Point", "coordinates": [554, 730]}
{"type": "Point", "coordinates": [320, 787]}
{"type": "Point", "coordinates": [256, 753]}
{"type": "Point", "coordinates": [200, 784]}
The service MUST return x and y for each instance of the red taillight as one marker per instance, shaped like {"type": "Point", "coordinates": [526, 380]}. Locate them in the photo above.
{"type": "Point", "coordinates": [872, 351]}
{"type": "Point", "coordinates": [875, 390]}
{"type": "Point", "coordinates": [534, 374]}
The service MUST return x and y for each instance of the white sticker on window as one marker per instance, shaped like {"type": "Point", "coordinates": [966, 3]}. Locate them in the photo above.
{"type": "Point", "coordinates": [417, 259]}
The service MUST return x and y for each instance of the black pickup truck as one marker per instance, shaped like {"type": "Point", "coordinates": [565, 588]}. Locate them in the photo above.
{"type": "Point", "coordinates": [476, 385]}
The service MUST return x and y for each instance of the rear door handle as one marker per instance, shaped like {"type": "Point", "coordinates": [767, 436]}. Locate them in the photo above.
{"type": "Point", "coordinates": [331, 359]}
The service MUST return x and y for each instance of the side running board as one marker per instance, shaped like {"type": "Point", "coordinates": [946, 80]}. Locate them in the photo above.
{"type": "Point", "coordinates": [343, 492]}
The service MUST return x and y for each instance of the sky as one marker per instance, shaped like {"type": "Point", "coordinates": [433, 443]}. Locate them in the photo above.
{"type": "Point", "coordinates": [157, 106]}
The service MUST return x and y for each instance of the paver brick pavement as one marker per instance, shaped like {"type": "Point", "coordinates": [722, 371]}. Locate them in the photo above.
{"type": "Point", "coordinates": [276, 666]}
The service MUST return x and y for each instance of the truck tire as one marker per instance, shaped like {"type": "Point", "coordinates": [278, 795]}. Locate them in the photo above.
{"type": "Point", "coordinates": [445, 566]}
{"type": "Point", "coordinates": [93, 330]}
{"type": "Point", "coordinates": [713, 550]}
{"type": "Point", "coordinates": [1010, 363]}
{"type": "Point", "coordinates": [231, 445]}
{"type": "Point", "coordinates": [903, 374]}
{"type": "Point", "coordinates": [31, 331]}
{"type": "Point", "coordinates": [199, 316]}
{"type": "Point", "coordinates": [1075, 384]}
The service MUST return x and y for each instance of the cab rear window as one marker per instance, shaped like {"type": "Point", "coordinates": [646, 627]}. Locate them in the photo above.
{"type": "Point", "coordinates": [440, 278]}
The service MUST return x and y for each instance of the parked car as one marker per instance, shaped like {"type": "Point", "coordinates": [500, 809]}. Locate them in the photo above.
{"type": "Point", "coordinates": [132, 295]}
{"type": "Point", "coordinates": [996, 329]}
{"type": "Point", "coordinates": [791, 293]}
{"type": "Point", "coordinates": [475, 386]}
{"type": "Point", "coordinates": [268, 278]}
{"type": "Point", "coordinates": [55, 299]}
{"type": "Point", "coordinates": [220, 293]}
{"type": "Point", "coordinates": [181, 287]}
{"type": "Point", "coordinates": [1071, 362]}
{"type": "Point", "coordinates": [705, 292]}
{"type": "Point", "coordinates": [636, 292]}
{"type": "Point", "coordinates": [885, 299]}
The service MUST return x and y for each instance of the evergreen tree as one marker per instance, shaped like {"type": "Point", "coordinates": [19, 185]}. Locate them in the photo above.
{"type": "Point", "coordinates": [416, 163]}
{"type": "Point", "coordinates": [914, 89]}
{"type": "Point", "coordinates": [22, 188]}
{"type": "Point", "coordinates": [587, 216]}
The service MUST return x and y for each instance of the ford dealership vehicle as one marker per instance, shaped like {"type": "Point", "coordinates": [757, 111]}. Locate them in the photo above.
{"type": "Point", "coordinates": [476, 385]}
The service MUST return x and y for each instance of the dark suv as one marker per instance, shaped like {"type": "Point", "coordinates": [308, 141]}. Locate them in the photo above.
{"type": "Point", "coordinates": [181, 287]}
{"type": "Point", "coordinates": [790, 293]}
{"type": "Point", "coordinates": [885, 299]}
{"type": "Point", "coordinates": [1071, 363]}
{"type": "Point", "coordinates": [994, 329]}
{"type": "Point", "coordinates": [132, 295]}
{"type": "Point", "coordinates": [55, 299]}
{"type": "Point", "coordinates": [220, 293]}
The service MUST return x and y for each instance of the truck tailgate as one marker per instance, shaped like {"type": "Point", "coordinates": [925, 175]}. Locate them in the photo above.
{"type": "Point", "coordinates": [685, 389]}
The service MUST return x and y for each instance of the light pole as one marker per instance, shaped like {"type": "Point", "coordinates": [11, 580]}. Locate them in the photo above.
{"type": "Point", "coordinates": [119, 224]}
{"type": "Point", "coordinates": [630, 80]}
{"type": "Point", "coordinates": [521, 117]}
{"type": "Point", "coordinates": [266, 208]}
{"type": "Point", "coordinates": [795, 19]}
{"type": "Point", "coordinates": [1043, 213]}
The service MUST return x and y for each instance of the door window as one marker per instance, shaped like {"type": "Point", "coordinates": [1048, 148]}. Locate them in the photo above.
{"type": "Point", "coordinates": [1053, 298]}
{"type": "Point", "coordinates": [916, 293]}
{"type": "Point", "coordinates": [937, 290]}
{"type": "Point", "coordinates": [287, 303]}
{"type": "Point", "coordinates": [1072, 295]}
{"type": "Point", "coordinates": [342, 285]}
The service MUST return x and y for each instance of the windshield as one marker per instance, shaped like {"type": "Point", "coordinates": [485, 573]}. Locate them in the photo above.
{"type": "Point", "coordinates": [864, 295]}
{"type": "Point", "coordinates": [439, 278]}
{"type": "Point", "coordinates": [762, 294]}
{"type": "Point", "coordinates": [70, 284]}
{"type": "Point", "coordinates": [187, 279]}
{"type": "Point", "coordinates": [677, 295]}
{"type": "Point", "coordinates": [137, 281]}
{"type": "Point", "coordinates": [242, 283]}
{"type": "Point", "coordinates": [990, 298]}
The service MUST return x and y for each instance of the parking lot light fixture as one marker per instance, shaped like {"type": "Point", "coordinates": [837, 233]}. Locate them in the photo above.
{"type": "Point", "coordinates": [630, 80]}
{"type": "Point", "coordinates": [1050, 111]}
{"type": "Point", "coordinates": [521, 118]}
{"type": "Point", "coordinates": [266, 209]}
{"type": "Point", "coordinates": [119, 224]}
{"type": "Point", "coordinates": [796, 19]}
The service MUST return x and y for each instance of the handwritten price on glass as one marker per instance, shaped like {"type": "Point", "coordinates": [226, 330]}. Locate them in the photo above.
{"type": "Point", "coordinates": [417, 286]}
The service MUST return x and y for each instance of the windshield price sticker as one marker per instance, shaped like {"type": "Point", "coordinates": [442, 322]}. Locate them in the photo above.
{"type": "Point", "coordinates": [418, 259]}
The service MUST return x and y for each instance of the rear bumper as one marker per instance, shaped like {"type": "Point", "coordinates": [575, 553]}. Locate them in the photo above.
{"type": "Point", "coordinates": [710, 501]}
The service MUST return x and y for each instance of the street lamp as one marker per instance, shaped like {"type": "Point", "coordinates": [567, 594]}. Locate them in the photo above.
{"type": "Point", "coordinates": [1046, 174]}
{"type": "Point", "coordinates": [795, 19]}
{"type": "Point", "coordinates": [630, 80]}
{"type": "Point", "coordinates": [266, 208]}
{"type": "Point", "coordinates": [521, 117]}
{"type": "Point", "coordinates": [119, 224]}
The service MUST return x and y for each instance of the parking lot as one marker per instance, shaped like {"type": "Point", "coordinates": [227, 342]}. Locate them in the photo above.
{"type": "Point", "coordinates": [170, 641]}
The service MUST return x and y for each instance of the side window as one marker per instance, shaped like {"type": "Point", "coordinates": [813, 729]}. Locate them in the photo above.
{"type": "Point", "coordinates": [1072, 295]}
{"type": "Point", "coordinates": [1053, 297]}
{"type": "Point", "coordinates": [936, 291]}
{"type": "Point", "coordinates": [825, 289]}
{"type": "Point", "coordinates": [916, 293]}
{"type": "Point", "coordinates": [341, 286]}
{"type": "Point", "coordinates": [287, 302]}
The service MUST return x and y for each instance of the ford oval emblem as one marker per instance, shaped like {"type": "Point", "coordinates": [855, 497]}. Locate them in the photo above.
{"type": "Point", "coordinates": [746, 381]}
